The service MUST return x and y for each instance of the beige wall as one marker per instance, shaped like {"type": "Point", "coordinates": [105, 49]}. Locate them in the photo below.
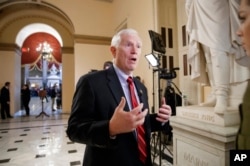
{"type": "Point", "coordinates": [89, 57]}
{"type": "Point", "coordinates": [11, 72]}
{"type": "Point", "coordinates": [166, 16]}
{"type": "Point", "coordinates": [68, 85]}
{"type": "Point", "coordinates": [89, 17]}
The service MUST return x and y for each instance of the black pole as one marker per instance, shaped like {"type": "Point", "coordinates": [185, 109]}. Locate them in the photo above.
{"type": "Point", "coordinates": [159, 99]}
{"type": "Point", "coordinates": [153, 108]}
{"type": "Point", "coordinates": [43, 93]}
{"type": "Point", "coordinates": [159, 132]}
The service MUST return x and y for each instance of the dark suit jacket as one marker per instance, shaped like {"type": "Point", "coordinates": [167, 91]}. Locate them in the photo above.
{"type": "Point", "coordinates": [96, 97]}
{"type": "Point", "coordinates": [5, 95]}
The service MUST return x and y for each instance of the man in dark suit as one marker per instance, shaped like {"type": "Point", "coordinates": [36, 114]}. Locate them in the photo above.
{"type": "Point", "coordinates": [104, 117]}
{"type": "Point", "coordinates": [5, 101]}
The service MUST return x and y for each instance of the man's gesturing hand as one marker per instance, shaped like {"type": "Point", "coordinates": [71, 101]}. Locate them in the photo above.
{"type": "Point", "coordinates": [126, 121]}
{"type": "Point", "coordinates": [165, 112]}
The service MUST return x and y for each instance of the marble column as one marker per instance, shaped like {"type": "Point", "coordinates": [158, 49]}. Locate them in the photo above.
{"type": "Point", "coordinates": [26, 73]}
{"type": "Point", "coordinates": [45, 70]}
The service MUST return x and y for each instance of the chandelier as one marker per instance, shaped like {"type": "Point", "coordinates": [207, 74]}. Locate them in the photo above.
{"type": "Point", "coordinates": [45, 50]}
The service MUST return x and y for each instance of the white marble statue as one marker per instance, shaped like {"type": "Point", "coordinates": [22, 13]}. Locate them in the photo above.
{"type": "Point", "coordinates": [214, 48]}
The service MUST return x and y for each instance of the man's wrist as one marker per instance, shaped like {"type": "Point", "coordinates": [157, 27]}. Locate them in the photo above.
{"type": "Point", "coordinates": [112, 135]}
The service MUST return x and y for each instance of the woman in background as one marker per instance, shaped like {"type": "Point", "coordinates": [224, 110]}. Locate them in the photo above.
{"type": "Point", "coordinates": [243, 137]}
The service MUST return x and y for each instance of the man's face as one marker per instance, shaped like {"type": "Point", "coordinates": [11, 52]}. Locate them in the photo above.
{"type": "Point", "coordinates": [127, 54]}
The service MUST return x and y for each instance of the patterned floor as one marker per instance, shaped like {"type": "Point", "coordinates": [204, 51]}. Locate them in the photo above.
{"type": "Point", "coordinates": [42, 141]}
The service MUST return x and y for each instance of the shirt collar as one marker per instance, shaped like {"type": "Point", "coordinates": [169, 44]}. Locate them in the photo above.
{"type": "Point", "coordinates": [122, 76]}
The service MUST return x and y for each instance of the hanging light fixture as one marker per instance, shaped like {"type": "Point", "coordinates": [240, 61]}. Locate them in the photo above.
{"type": "Point", "coordinates": [45, 50]}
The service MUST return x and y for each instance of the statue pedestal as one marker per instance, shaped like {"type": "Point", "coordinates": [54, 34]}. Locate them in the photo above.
{"type": "Point", "coordinates": [201, 137]}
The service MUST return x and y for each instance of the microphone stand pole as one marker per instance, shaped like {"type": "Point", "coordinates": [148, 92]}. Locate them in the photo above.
{"type": "Point", "coordinates": [159, 132]}
{"type": "Point", "coordinates": [159, 99]}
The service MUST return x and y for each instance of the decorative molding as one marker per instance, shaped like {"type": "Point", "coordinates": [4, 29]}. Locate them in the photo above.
{"type": "Point", "coordinates": [29, 18]}
{"type": "Point", "coordinates": [17, 5]}
{"type": "Point", "coordinates": [92, 39]}
{"type": "Point", "coordinates": [110, 1]}
{"type": "Point", "coordinates": [10, 47]}
{"type": "Point", "coordinates": [42, 12]}
{"type": "Point", "coordinates": [67, 50]}
{"type": "Point", "coordinates": [122, 25]}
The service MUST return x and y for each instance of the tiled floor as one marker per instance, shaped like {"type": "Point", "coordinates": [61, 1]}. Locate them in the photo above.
{"type": "Point", "coordinates": [42, 141]}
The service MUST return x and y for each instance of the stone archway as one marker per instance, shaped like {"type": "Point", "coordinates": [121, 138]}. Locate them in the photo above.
{"type": "Point", "coordinates": [14, 17]}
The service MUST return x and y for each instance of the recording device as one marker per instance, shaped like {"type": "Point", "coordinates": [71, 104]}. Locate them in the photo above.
{"type": "Point", "coordinates": [158, 48]}
{"type": "Point", "coordinates": [158, 45]}
{"type": "Point", "coordinates": [164, 74]}
{"type": "Point", "coordinates": [157, 42]}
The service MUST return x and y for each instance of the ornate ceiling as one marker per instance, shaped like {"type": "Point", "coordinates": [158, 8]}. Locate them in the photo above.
{"type": "Point", "coordinates": [31, 56]}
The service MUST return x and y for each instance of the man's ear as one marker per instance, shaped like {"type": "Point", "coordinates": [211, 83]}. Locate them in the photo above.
{"type": "Point", "coordinates": [113, 50]}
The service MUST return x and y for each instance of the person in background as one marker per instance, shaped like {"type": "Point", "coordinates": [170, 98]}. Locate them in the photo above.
{"type": "Point", "coordinates": [138, 77]}
{"type": "Point", "coordinates": [107, 65]}
{"type": "Point", "coordinates": [59, 97]}
{"type": "Point", "coordinates": [243, 137]}
{"type": "Point", "coordinates": [46, 97]}
{"type": "Point", "coordinates": [53, 97]}
{"type": "Point", "coordinates": [110, 110]}
{"type": "Point", "coordinates": [25, 96]}
{"type": "Point", "coordinates": [5, 101]}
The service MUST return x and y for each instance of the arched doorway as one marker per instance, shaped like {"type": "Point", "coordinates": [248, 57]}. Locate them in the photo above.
{"type": "Point", "coordinates": [41, 60]}
{"type": "Point", "coordinates": [41, 63]}
{"type": "Point", "coordinates": [16, 16]}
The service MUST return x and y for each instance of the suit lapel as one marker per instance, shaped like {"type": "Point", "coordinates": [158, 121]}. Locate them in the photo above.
{"type": "Point", "coordinates": [140, 91]}
{"type": "Point", "coordinates": [115, 86]}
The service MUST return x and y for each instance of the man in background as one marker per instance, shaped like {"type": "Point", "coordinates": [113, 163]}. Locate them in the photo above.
{"type": "Point", "coordinates": [5, 101]}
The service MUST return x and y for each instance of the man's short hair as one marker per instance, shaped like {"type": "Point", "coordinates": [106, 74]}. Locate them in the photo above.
{"type": "Point", "coordinates": [107, 64]}
{"type": "Point", "coordinates": [7, 83]}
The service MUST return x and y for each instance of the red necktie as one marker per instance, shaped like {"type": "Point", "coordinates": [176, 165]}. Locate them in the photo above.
{"type": "Point", "coordinates": [140, 129]}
